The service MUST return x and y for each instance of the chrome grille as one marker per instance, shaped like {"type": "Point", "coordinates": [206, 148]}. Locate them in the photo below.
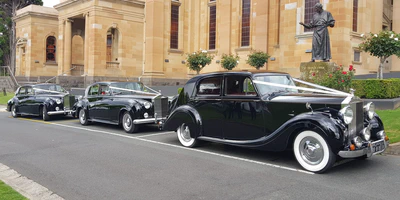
{"type": "Point", "coordinates": [357, 124]}
{"type": "Point", "coordinates": [160, 106]}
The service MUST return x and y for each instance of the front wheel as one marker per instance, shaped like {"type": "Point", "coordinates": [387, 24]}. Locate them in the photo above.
{"type": "Point", "coordinates": [83, 117]}
{"type": "Point", "coordinates": [184, 137]}
{"type": "Point", "coordinates": [312, 152]}
{"type": "Point", "coordinates": [127, 123]}
{"type": "Point", "coordinates": [14, 111]}
{"type": "Point", "coordinates": [45, 116]}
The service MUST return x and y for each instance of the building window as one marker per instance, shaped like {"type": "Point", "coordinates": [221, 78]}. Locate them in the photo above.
{"type": "Point", "coordinates": [355, 15]}
{"type": "Point", "coordinates": [245, 23]}
{"type": "Point", "coordinates": [212, 28]}
{"type": "Point", "coordinates": [112, 45]}
{"type": "Point", "coordinates": [357, 56]}
{"type": "Point", "coordinates": [174, 26]}
{"type": "Point", "coordinates": [309, 13]}
{"type": "Point", "coordinates": [51, 49]}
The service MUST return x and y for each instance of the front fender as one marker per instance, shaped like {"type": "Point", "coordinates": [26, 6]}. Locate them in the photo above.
{"type": "Point", "coordinates": [184, 114]}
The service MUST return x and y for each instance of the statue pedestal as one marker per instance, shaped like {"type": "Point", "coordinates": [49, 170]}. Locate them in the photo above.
{"type": "Point", "coordinates": [307, 69]}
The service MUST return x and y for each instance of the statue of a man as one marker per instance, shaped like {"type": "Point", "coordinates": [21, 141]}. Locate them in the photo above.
{"type": "Point", "coordinates": [321, 46]}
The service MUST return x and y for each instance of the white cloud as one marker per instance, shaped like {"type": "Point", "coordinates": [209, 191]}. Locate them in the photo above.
{"type": "Point", "coordinates": [50, 3]}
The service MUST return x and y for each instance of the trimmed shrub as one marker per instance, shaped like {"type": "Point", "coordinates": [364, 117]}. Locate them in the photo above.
{"type": "Point", "coordinates": [377, 88]}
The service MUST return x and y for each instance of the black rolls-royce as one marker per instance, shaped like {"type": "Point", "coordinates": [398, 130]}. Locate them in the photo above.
{"type": "Point", "coordinates": [129, 104]}
{"type": "Point", "coordinates": [266, 110]}
{"type": "Point", "coordinates": [43, 100]}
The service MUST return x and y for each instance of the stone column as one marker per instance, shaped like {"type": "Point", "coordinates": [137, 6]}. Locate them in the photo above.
{"type": "Point", "coordinates": [67, 47]}
{"type": "Point", "coordinates": [86, 50]}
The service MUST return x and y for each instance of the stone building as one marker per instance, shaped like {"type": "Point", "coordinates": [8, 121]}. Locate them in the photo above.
{"type": "Point", "coordinates": [83, 41]}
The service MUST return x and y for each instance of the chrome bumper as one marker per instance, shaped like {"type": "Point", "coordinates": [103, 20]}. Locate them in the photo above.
{"type": "Point", "coordinates": [366, 151]}
{"type": "Point", "coordinates": [148, 120]}
{"type": "Point", "coordinates": [61, 112]}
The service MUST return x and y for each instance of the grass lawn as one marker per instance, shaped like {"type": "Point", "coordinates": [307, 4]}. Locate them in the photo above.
{"type": "Point", "coordinates": [4, 99]}
{"type": "Point", "coordinates": [391, 122]}
{"type": "Point", "coordinates": [7, 193]}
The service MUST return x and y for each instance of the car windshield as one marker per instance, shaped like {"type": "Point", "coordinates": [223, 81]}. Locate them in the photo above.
{"type": "Point", "coordinates": [264, 88]}
{"type": "Point", "coordinates": [49, 89]}
{"type": "Point", "coordinates": [128, 88]}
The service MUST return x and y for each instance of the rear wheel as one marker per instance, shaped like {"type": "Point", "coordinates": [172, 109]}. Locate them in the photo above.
{"type": "Point", "coordinates": [127, 123]}
{"type": "Point", "coordinates": [83, 117]}
{"type": "Point", "coordinates": [184, 137]}
{"type": "Point", "coordinates": [14, 111]}
{"type": "Point", "coordinates": [45, 116]}
{"type": "Point", "coordinates": [312, 152]}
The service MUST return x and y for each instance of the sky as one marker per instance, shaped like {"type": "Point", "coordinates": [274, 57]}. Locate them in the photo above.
{"type": "Point", "coordinates": [50, 3]}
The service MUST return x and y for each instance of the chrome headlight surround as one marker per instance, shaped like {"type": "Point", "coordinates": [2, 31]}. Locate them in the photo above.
{"type": "Point", "coordinates": [347, 114]}
{"type": "Point", "coordinates": [358, 141]}
{"type": "Point", "coordinates": [147, 105]}
{"type": "Point", "coordinates": [366, 133]}
{"type": "Point", "coordinates": [381, 134]}
{"type": "Point", "coordinates": [369, 109]}
{"type": "Point", "coordinates": [58, 101]}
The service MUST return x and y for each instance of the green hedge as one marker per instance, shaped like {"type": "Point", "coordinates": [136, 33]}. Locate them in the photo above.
{"type": "Point", "coordinates": [377, 88]}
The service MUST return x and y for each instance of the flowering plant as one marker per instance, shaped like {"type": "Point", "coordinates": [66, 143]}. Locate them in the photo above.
{"type": "Point", "coordinates": [229, 61]}
{"type": "Point", "coordinates": [339, 79]}
{"type": "Point", "coordinates": [198, 60]}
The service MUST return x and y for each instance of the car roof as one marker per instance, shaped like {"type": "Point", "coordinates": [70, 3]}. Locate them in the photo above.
{"type": "Point", "coordinates": [243, 72]}
{"type": "Point", "coordinates": [39, 84]}
{"type": "Point", "coordinates": [109, 82]}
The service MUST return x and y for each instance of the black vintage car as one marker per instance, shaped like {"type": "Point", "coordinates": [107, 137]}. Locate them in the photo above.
{"type": "Point", "coordinates": [266, 110]}
{"type": "Point", "coordinates": [43, 100]}
{"type": "Point", "coordinates": [129, 104]}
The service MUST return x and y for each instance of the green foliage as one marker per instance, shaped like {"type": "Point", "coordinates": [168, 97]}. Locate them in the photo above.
{"type": "Point", "coordinates": [198, 60]}
{"type": "Point", "coordinates": [339, 79]}
{"type": "Point", "coordinates": [390, 119]}
{"type": "Point", "coordinates": [6, 192]}
{"type": "Point", "coordinates": [229, 61]}
{"type": "Point", "coordinates": [4, 99]}
{"type": "Point", "coordinates": [381, 45]}
{"type": "Point", "coordinates": [257, 59]}
{"type": "Point", "coordinates": [377, 88]}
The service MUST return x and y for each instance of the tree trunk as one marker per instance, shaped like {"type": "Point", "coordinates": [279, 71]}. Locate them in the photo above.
{"type": "Point", "coordinates": [13, 39]}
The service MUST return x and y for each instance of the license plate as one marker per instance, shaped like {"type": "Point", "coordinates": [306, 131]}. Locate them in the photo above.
{"type": "Point", "coordinates": [378, 146]}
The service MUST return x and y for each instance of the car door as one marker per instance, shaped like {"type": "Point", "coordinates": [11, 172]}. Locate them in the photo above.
{"type": "Point", "coordinates": [30, 103]}
{"type": "Point", "coordinates": [243, 116]}
{"type": "Point", "coordinates": [105, 103]}
{"type": "Point", "coordinates": [21, 96]}
{"type": "Point", "coordinates": [93, 100]}
{"type": "Point", "coordinates": [207, 101]}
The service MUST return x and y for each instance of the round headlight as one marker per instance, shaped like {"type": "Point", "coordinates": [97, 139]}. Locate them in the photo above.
{"type": "Point", "coordinates": [366, 134]}
{"type": "Point", "coordinates": [58, 101]}
{"type": "Point", "coordinates": [381, 134]}
{"type": "Point", "coordinates": [370, 110]}
{"type": "Point", "coordinates": [347, 114]}
{"type": "Point", "coordinates": [357, 141]}
{"type": "Point", "coordinates": [147, 105]}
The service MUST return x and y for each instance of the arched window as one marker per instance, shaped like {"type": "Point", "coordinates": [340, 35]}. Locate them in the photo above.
{"type": "Point", "coordinates": [51, 49]}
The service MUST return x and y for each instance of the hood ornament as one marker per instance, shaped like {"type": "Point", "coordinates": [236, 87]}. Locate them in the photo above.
{"type": "Point", "coordinates": [352, 91]}
{"type": "Point", "coordinates": [308, 106]}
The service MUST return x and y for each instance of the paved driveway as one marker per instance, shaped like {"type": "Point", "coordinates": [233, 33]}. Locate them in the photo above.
{"type": "Point", "coordinates": [103, 162]}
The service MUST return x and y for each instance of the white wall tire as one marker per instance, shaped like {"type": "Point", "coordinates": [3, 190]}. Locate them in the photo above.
{"type": "Point", "coordinates": [184, 137]}
{"type": "Point", "coordinates": [312, 152]}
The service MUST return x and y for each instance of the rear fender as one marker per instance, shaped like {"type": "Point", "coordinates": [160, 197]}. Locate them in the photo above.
{"type": "Point", "coordinates": [184, 114]}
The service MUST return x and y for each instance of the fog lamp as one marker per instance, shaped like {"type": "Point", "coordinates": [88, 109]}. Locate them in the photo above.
{"type": "Point", "coordinates": [366, 133]}
{"type": "Point", "coordinates": [145, 115]}
{"type": "Point", "coordinates": [57, 108]}
{"type": "Point", "coordinates": [357, 141]}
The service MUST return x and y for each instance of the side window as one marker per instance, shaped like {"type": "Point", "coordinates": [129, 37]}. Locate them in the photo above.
{"type": "Point", "coordinates": [22, 91]}
{"type": "Point", "coordinates": [239, 85]}
{"type": "Point", "coordinates": [29, 91]}
{"type": "Point", "coordinates": [94, 90]}
{"type": "Point", "coordinates": [210, 86]}
{"type": "Point", "coordinates": [105, 90]}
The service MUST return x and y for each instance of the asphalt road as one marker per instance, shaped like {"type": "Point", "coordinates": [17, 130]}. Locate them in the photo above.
{"type": "Point", "coordinates": [103, 162]}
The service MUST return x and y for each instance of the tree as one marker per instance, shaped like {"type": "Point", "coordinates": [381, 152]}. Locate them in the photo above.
{"type": "Point", "coordinates": [198, 60]}
{"type": "Point", "coordinates": [229, 61]}
{"type": "Point", "coordinates": [8, 10]}
{"type": "Point", "coordinates": [257, 59]}
{"type": "Point", "coordinates": [382, 45]}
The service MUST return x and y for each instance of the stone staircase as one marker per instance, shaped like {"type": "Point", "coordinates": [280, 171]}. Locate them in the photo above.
{"type": "Point", "coordinates": [7, 83]}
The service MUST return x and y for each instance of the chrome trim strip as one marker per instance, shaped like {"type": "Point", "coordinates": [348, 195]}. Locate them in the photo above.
{"type": "Point", "coordinates": [366, 151]}
{"type": "Point", "coordinates": [148, 121]}
{"type": "Point", "coordinates": [60, 112]}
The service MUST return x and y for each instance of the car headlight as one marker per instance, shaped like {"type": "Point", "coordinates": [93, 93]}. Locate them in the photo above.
{"type": "Point", "coordinates": [381, 134]}
{"type": "Point", "coordinates": [366, 133]}
{"type": "Point", "coordinates": [347, 114]}
{"type": "Point", "coordinates": [357, 141]}
{"type": "Point", "coordinates": [58, 101]}
{"type": "Point", "coordinates": [370, 110]}
{"type": "Point", "coordinates": [147, 105]}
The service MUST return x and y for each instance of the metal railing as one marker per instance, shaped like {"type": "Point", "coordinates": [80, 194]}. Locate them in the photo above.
{"type": "Point", "coordinates": [72, 68]}
{"type": "Point", "coordinates": [10, 72]}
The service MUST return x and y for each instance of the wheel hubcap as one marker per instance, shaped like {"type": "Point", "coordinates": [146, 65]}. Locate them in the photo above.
{"type": "Point", "coordinates": [311, 151]}
{"type": "Point", "coordinates": [127, 122]}
{"type": "Point", "coordinates": [185, 133]}
{"type": "Point", "coordinates": [14, 111]}
{"type": "Point", "coordinates": [82, 116]}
